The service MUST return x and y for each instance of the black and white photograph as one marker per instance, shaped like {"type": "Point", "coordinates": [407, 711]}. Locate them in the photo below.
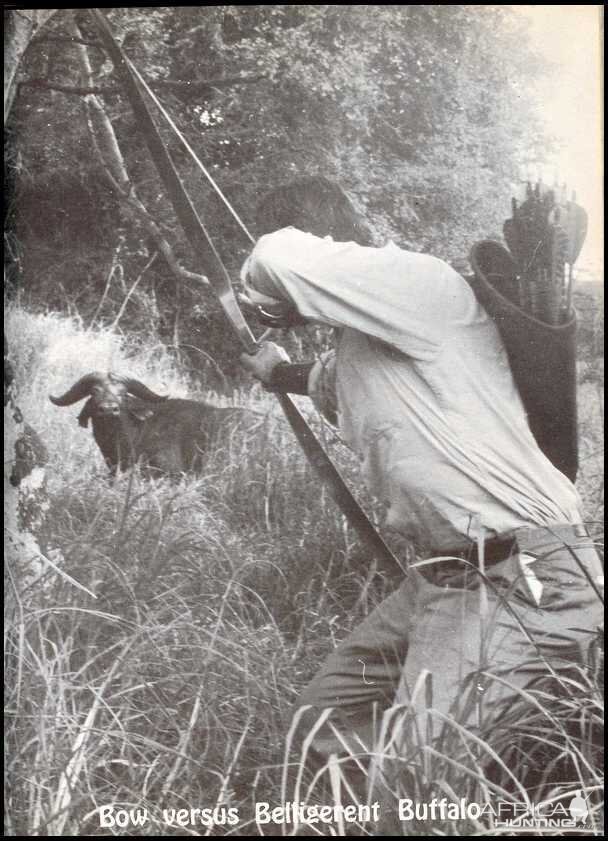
{"type": "Point", "coordinates": [303, 411]}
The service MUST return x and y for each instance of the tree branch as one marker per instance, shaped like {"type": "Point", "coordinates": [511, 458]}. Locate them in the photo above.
{"type": "Point", "coordinates": [178, 86]}
{"type": "Point", "coordinates": [108, 150]}
{"type": "Point", "coordinates": [118, 177]}
{"type": "Point", "coordinates": [45, 84]}
{"type": "Point", "coordinates": [196, 87]}
{"type": "Point", "coordinates": [69, 39]}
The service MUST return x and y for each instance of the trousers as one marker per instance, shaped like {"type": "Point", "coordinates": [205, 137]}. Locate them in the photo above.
{"type": "Point", "coordinates": [452, 643]}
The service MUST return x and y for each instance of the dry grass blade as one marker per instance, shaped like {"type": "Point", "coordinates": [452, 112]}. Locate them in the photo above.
{"type": "Point", "coordinates": [53, 566]}
{"type": "Point", "coordinates": [68, 781]}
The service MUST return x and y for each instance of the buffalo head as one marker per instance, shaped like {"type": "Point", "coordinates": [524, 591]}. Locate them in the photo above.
{"type": "Point", "coordinates": [107, 392]}
{"type": "Point", "coordinates": [117, 407]}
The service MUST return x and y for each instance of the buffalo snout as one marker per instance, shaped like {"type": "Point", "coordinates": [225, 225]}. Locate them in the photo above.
{"type": "Point", "coordinates": [111, 410]}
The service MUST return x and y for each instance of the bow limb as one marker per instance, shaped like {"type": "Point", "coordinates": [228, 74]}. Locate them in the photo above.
{"type": "Point", "coordinates": [210, 261]}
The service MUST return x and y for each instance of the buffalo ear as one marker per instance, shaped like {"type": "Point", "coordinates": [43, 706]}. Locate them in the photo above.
{"type": "Point", "coordinates": [138, 409]}
{"type": "Point", "coordinates": [85, 414]}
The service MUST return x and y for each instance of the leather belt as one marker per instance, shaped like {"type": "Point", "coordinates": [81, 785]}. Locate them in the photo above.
{"type": "Point", "coordinates": [494, 550]}
{"type": "Point", "coordinates": [499, 548]}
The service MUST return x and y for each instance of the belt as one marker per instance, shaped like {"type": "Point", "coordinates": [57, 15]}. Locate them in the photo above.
{"type": "Point", "coordinates": [498, 549]}
{"type": "Point", "coordinates": [495, 549]}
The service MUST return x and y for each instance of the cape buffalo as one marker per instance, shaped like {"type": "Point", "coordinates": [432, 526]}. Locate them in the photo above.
{"type": "Point", "coordinates": [133, 423]}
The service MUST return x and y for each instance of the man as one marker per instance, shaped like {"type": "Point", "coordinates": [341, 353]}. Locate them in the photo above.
{"type": "Point", "coordinates": [424, 395]}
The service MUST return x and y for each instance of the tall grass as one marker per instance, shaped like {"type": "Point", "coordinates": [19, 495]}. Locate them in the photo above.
{"type": "Point", "coordinates": [159, 666]}
{"type": "Point", "coordinates": [213, 600]}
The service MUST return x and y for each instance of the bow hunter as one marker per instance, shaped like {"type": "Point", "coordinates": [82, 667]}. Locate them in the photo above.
{"type": "Point", "coordinates": [421, 388]}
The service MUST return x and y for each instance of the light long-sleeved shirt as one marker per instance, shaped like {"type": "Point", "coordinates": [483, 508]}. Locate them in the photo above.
{"type": "Point", "coordinates": [424, 389]}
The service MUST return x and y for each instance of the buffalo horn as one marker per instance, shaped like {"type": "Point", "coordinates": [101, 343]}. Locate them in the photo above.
{"type": "Point", "coordinates": [142, 391]}
{"type": "Point", "coordinates": [81, 388]}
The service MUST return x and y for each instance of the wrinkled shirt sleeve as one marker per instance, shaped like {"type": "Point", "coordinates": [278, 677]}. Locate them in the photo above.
{"type": "Point", "coordinates": [402, 298]}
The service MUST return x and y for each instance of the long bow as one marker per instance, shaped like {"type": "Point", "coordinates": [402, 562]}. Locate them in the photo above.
{"type": "Point", "coordinates": [215, 270]}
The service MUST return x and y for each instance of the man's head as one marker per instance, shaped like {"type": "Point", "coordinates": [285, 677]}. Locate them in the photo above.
{"type": "Point", "coordinates": [314, 204]}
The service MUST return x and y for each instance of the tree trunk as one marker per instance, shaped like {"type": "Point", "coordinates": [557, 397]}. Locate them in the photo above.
{"type": "Point", "coordinates": [20, 25]}
{"type": "Point", "coordinates": [24, 453]}
{"type": "Point", "coordinates": [106, 145]}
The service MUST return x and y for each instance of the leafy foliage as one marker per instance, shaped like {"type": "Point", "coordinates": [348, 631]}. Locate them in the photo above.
{"type": "Point", "coordinates": [424, 114]}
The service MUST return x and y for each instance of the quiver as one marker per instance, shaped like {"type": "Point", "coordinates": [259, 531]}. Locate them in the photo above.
{"type": "Point", "coordinates": [542, 356]}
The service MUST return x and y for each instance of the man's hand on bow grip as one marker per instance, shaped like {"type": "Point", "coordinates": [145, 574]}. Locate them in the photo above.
{"type": "Point", "coordinates": [262, 363]}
